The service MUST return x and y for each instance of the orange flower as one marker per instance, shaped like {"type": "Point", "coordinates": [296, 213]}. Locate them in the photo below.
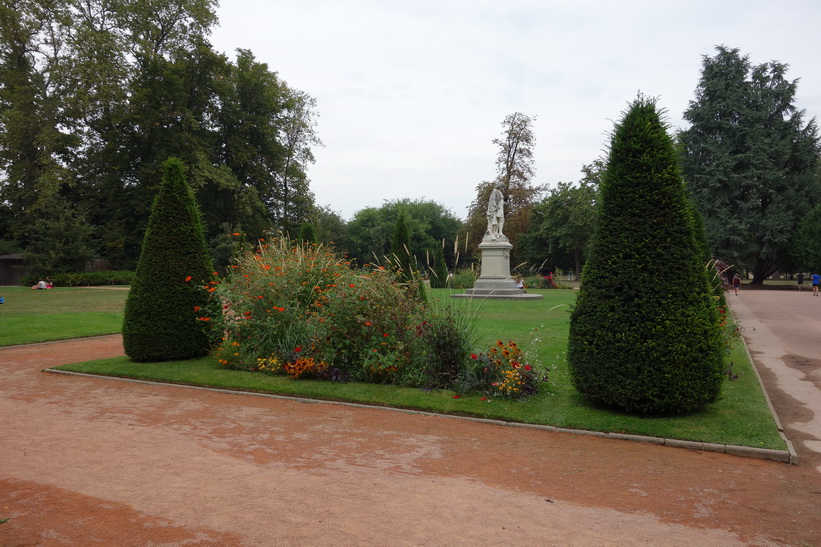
{"type": "Point", "coordinates": [188, 278]}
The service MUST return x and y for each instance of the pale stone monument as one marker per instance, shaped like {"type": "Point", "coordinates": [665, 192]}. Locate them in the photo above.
{"type": "Point", "coordinates": [495, 280]}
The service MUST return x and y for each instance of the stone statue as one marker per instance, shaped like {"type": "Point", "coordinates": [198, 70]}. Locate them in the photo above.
{"type": "Point", "coordinates": [495, 213]}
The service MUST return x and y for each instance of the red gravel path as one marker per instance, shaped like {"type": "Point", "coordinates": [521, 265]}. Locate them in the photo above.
{"type": "Point", "coordinates": [88, 461]}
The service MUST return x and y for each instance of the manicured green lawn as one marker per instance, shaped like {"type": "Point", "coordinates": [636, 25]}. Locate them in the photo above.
{"type": "Point", "coordinates": [740, 416]}
{"type": "Point", "coordinates": [29, 316]}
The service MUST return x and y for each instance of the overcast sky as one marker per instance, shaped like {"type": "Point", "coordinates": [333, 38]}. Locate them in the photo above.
{"type": "Point", "coordinates": [411, 94]}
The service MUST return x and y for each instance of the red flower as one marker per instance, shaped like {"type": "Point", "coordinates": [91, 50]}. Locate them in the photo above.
{"type": "Point", "coordinates": [474, 356]}
{"type": "Point", "coordinates": [196, 308]}
{"type": "Point", "coordinates": [484, 399]}
{"type": "Point", "coordinates": [351, 286]}
{"type": "Point", "coordinates": [528, 367]}
{"type": "Point", "coordinates": [385, 334]}
{"type": "Point", "coordinates": [298, 349]}
{"type": "Point", "coordinates": [188, 278]}
{"type": "Point", "coordinates": [455, 396]}
{"type": "Point", "coordinates": [367, 323]}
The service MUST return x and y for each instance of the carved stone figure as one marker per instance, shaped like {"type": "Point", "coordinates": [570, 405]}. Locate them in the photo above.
{"type": "Point", "coordinates": [495, 214]}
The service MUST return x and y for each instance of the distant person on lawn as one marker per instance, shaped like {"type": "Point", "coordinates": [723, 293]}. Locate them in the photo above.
{"type": "Point", "coordinates": [800, 279]}
{"type": "Point", "coordinates": [816, 279]}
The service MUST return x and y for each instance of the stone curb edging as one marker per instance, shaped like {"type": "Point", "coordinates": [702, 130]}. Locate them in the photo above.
{"type": "Point", "coordinates": [793, 460]}
{"type": "Point", "coordinates": [784, 456]}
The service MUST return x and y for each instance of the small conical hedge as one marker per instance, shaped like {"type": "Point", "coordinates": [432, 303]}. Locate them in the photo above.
{"type": "Point", "coordinates": [644, 333]}
{"type": "Point", "coordinates": [160, 321]}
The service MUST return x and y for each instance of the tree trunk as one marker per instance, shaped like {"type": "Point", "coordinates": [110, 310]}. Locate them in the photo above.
{"type": "Point", "coordinates": [577, 256]}
{"type": "Point", "coordinates": [763, 269]}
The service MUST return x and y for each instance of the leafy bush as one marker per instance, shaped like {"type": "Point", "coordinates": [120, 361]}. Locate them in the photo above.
{"type": "Point", "coordinates": [503, 371]}
{"type": "Point", "coordinates": [85, 279]}
{"type": "Point", "coordinates": [160, 320]}
{"type": "Point", "coordinates": [464, 278]}
{"type": "Point", "coordinates": [644, 334]}
{"type": "Point", "coordinates": [302, 310]}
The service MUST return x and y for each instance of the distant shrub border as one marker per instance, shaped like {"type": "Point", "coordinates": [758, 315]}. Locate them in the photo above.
{"type": "Point", "coordinates": [85, 279]}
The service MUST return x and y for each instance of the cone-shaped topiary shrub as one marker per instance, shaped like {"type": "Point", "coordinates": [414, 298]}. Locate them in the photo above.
{"type": "Point", "coordinates": [161, 322]}
{"type": "Point", "coordinates": [644, 333]}
{"type": "Point", "coordinates": [439, 270]}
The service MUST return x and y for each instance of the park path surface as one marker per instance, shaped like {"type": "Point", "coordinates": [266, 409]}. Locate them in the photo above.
{"type": "Point", "coordinates": [96, 461]}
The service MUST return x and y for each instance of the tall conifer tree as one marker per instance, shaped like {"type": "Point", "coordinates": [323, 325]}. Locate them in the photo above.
{"type": "Point", "coordinates": [644, 334]}
{"type": "Point", "coordinates": [161, 322]}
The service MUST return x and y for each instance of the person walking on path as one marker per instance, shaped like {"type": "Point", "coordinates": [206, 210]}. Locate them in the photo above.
{"type": "Point", "coordinates": [800, 279]}
{"type": "Point", "coordinates": [816, 279]}
{"type": "Point", "coordinates": [736, 283]}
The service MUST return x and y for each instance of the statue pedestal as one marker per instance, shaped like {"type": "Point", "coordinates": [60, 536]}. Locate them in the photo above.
{"type": "Point", "coordinates": [495, 280]}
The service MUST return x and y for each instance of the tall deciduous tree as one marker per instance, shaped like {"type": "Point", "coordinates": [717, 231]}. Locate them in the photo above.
{"type": "Point", "coordinates": [33, 150]}
{"type": "Point", "coordinates": [96, 94]}
{"type": "Point", "coordinates": [644, 334]}
{"type": "Point", "coordinates": [749, 160]}
{"type": "Point", "coordinates": [514, 171]}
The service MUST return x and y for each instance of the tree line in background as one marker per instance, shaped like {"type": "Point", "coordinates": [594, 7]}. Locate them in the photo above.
{"type": "Point", "coordinates": [95, 96]}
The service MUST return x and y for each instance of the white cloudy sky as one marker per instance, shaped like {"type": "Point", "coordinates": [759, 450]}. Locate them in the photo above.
{"type": "Point", "coordinates": [411, 93]}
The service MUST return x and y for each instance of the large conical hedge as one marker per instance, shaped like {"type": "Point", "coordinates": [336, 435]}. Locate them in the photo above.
{"type": "Point", "coordinates": [644, 334]}
{"type": "Point", "coordinates": [161, 322]}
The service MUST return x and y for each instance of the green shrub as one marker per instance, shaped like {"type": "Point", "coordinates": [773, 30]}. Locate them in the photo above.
{"type": "Point", "coordinates": [644, 334]}
{"type": "Point", "coordinates": [86, 279]}
{"type": "Point", "coordinates": [464, 278]}
{"type": "Point", "coordinates": [161, 320]}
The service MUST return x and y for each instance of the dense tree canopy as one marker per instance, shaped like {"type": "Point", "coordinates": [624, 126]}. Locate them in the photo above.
{"type": "Point", "coordinates": [95, 95]}
{"type": "Point", "coordinates": [749, 160]}
{"type": "Point", "coordinates": [371, 230]}
{"type": "Point", "coordinates": [806, 250]}
{"type": "Point", "coordinates": [562, 223]}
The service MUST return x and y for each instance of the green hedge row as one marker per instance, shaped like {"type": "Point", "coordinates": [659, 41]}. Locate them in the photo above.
{"type": "Point", "coordinates": [85, 279]}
